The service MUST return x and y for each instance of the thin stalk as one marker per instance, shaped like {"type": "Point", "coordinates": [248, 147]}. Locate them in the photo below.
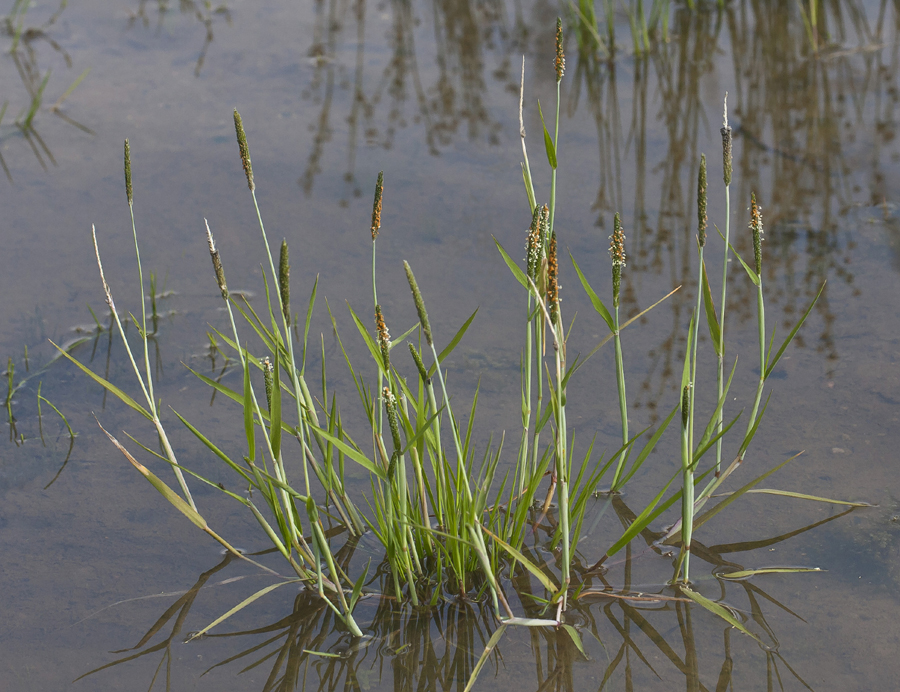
{"type": "Point", "coordinates": [701, 244]}
{"type": "Point", "coordinates": [687, 492]}
{"type": "Point", "coordinates": [617, 254]}
{"type": "Point", "coordinates": [727, 166]}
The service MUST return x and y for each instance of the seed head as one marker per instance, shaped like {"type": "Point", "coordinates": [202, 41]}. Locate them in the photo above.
{"type": "Point", "coordinates": [268, 377]}
{"type": "Point", "coordinates": [376, 207]}
{"type": "Point", "coordinates": [726, 144]}
{"type": "Point", "coordinates": [284, 281]}
{"type": "Point", "coordinates": [756, 227]}
{"type": "Point", "coordinates": [701, 202]}
{"type": "Point", "coordinates": [553, 281]}
{"type": "Point", "coordinates": [390, 405]}
{"type": "Point", "coordinates": [560, 56]}
{"type": "Point", "coordinates": [245, 150]}
{"type": "Point", "coordinates": [128, 188]}
{"type": "Point", "coordinates": [217, 263]}
{"type": "Point", "coordinates": [617, 254]}
{"type": "Point", "coordinates": [384, 338]}
{"type": "Point", "coordinates": [420, 366]}
{"type": "Point", "coordinates": [533, 245]}
{"type": "Point", "coordinates": [685, 405]}
{"type": "Point", "coordinates": [420, 303]}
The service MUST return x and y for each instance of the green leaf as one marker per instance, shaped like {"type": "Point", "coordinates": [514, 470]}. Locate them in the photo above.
{"type": "Point", "coordinates": [357, 587]}
{"type": "Point", "coordinates": [513, 267]}
{"type": "Point", "coordinates": [790, 337]}
{"type": "Point", "coordinates": [109, 386]}
{"type": "Point", "coordinates": [595, 300]}
{"type": "Point", "coordinates": [453, 343]}
{"type": "Point", "coordinates": [248, 412]}
{"type": "Point", "coordinates": [715, 333]}
{"type": "Point", "coordinates": [351, 452]}
{"type": "Point", "coordinates": [491, 645]}
{"type": "Point", "coordinates": [802, 496]}
{"type": "Point", "coordinates": [275, 413]}
{"type": "Point", "coordinates": [528, 564]}
{"type": "Point", "coordinates": [164, 490]}
{"type": "Point", "coordinates": [745, 573]}
{"type": "Point", "coordinates": [710, 513]}
{"type": "Point", "coordinates": [548, 142]}
{"type": "Point", "coordinates": [576, 638]}
{"type": "Point", "coordinates": [642, 520]}
{"type": "Point", "coordinates": [718, 609]}
{"type": "Point", "coordinates": [240, 606]}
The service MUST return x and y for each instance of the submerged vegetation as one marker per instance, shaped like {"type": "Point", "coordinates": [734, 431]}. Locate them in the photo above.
{"type": "Point", "coordinates": [499, 530]}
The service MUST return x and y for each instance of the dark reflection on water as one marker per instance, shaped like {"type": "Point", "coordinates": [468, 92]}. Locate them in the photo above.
{"type": "Point", "coordinates": [651, 636]}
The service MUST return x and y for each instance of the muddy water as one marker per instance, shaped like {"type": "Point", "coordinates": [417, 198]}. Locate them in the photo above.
{"type": "Point", "coordinates": [331, 93]}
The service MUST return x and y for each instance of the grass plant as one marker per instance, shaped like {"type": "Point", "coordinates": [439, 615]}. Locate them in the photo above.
{"type": "Point", "coordinates": [452, 524]}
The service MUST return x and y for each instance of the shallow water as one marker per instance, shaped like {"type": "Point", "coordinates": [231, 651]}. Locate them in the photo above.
{"type": "Point", "coordinates": [333, 92]}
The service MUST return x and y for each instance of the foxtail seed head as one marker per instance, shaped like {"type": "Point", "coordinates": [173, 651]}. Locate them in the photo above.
{"type": "Point", "coordinates": [553, 281]}
{"type": "Point", "coordinates": [420, 304]}
{"type": "Point", "coordinates": [128, 189]}
{"type": "Point", "coordinates": [217, 263]}
{"type": "Point", "coordinates": [269, 378]}
{"type": "Point", "coordinates": [545, 225]}
{"type": "Point", "coordinates": [726, 144]}
{"type": "Point", "coordinates": [560, 56]}
{"type": "Point", "coordinates": [245, 150]}
{"type": "Point", "coordinates": [390, 405]}
{"type": "Point", "coordinates": [756, 227]}
{"type": "Point", "coordinates": [284, 281]}
{"type": "Point", "coordinates": [384, 338]}
{"type": "Point", "coordinates": [685, 405]}
{"type": "Point", "coordinates": [701, 202]}
{"type": "Point", "coordinates": [420, 366]}
{"type": "Point", "coordinates": [617, 253]}
{"type": "Point", "coordinates": [533, 245]}
{"type": "Point", "coordinates": [376, 207]}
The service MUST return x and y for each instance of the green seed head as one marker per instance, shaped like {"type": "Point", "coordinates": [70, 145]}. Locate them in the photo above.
{"type": "Point", "coordinates": [726, 144]}
{"type": "Point", "coordinates": [756, 227]}
{"type": "Point", "coordinates": [384, 338]}
{"type": "Point", "coordinates": [617, 254]}
{"type": "Point", "coordinates": [128, 188]}
{"type": "Point", "coordinates": [560, 56]}
{"type": "Point", "coordinates": [245, 150]}
{"type": "Point", "coordinates": [553, 281]}
{"type": "Point", "coordinates": [420, 303]}
{"type": "Point", "coordinates": [701, 202]}
{"type": "Point", "coordinates": [420, 366]}
{"type": "Point", "coordinates": [217, 262]}
{"type": "Point", "coordinates": [284, 281]}
{"type": "Point", "coordinates": [376, 207]}
{"type": "Point", "coordinates": [269, 377]}
{"type": "Point", "coordinates": [685, 405]}
{"type": "Point", "coordinates": [390, 405]}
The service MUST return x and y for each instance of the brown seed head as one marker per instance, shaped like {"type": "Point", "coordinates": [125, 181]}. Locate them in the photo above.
{"type": "Point", "coordinates": [560, 55]}
{"type": "Point", "coordinates": [553, 281]}
{"type": "Point", "coordinates": [701, 202]}
{"type": "Point", "coordinates": [384, 338]}
{"type": "Point", "coordinates": [284, 281]}
{"type": "Point", "coordinates": [376, 207]}
{"type": "Point", "coordinates": [756, 228]}
{"type": "Point", "coordinates": [617, 254]}
{"type": "Point", "coordinates": [217, 262]}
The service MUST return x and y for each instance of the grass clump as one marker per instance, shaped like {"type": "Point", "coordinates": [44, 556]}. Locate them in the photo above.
{"type": "Point", "coordinates": [450, 524]}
